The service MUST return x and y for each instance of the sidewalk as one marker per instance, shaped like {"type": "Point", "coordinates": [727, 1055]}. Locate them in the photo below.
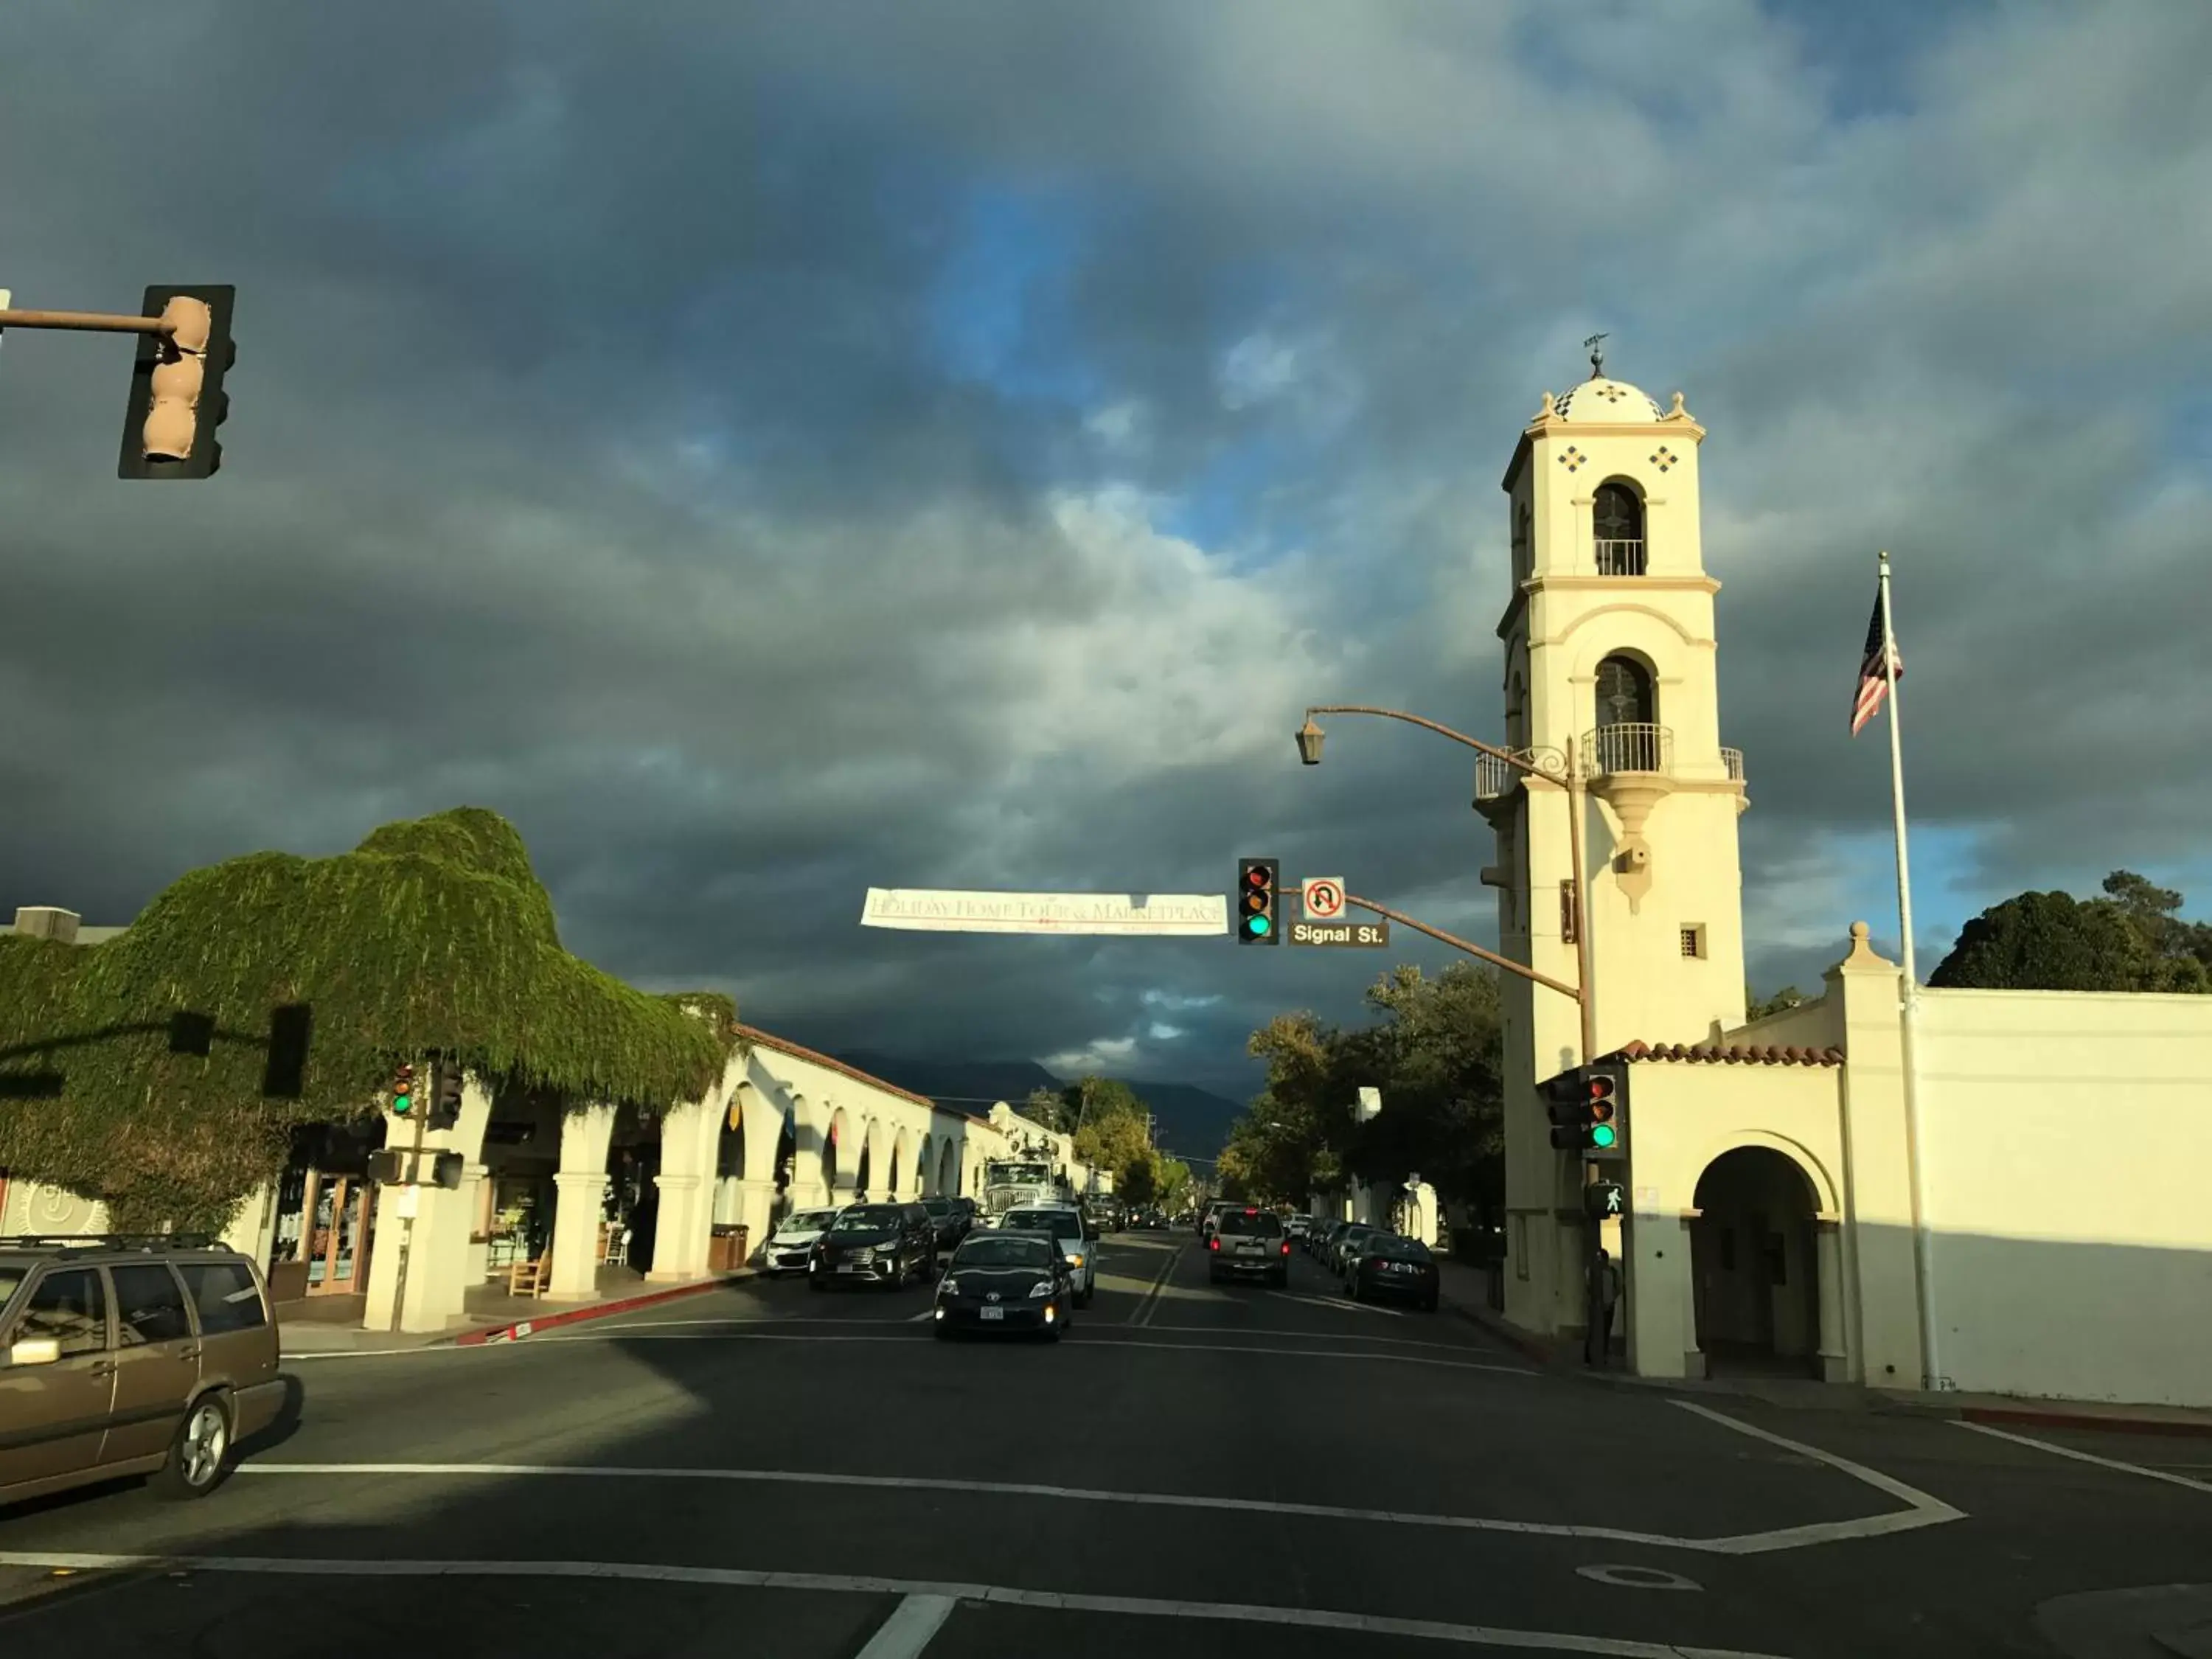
{"type": "Point", "coordinates": [506, 1320]}
{"type": "Point", "coordinates": [1467, 1290]}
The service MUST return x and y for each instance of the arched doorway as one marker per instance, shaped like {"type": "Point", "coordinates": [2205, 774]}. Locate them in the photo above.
{"type": "Point", "coordinates": [948, 1172]}
{"type": "Point", "coordinates": [1754, 1266]}
{"type": "Point", "coordinates": [730, 1162]}
{"type": "Point", "coordinates": [860, 1175]}
{"type": "Point", "coordinates": [833, 1147]}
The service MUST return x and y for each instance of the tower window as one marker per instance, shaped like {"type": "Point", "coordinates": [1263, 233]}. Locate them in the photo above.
{"type": "Point", "coordinates": [1624, 693]}
{"type": "Point", "coordinates": [1693, 941]}
{"type": "Point", "coordinates": [1617, 516]}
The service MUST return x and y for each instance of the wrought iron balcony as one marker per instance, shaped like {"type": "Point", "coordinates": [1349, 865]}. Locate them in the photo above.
{"type": "Point", "coordinates": [1620, 558]}
{"type": "Point", "coordinates": [1494, 778]}
{"type": "Point", "coordinates": [1633, 746]}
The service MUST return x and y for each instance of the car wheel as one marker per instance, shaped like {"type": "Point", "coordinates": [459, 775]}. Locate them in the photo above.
{"type": "Point", "coordinates": [199, 1452]}
{"type": "Point", "coordinates": [1352, 1288]}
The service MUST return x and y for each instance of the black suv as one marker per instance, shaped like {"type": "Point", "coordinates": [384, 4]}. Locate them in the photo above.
{"type": "Point", "coordinates": [952, 1217]}
{"type": "Point", "coordinates": [875, 1244]}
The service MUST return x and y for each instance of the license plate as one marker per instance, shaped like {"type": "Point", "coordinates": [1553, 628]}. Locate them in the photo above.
{"type": "Point", "coordinates": [994, 1313]}
{"type": "Point", "coordinates": [1249, 1249]}
{"type": "Point", "coordinates": [847, 1267]}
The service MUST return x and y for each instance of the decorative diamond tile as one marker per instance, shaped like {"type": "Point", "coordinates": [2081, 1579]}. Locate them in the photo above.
{"type": "Point", "coordinates": [1572, 458]}
{"type": "Point", "coordinates": [1665, 458]}
{"type": "Point", "coordinates": [1612, 394]}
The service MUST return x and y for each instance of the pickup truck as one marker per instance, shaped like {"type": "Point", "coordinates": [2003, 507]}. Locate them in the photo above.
{"type": "Point", "coordinates": [1248, 1244]}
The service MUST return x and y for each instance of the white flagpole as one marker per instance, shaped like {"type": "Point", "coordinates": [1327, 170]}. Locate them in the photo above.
{"type": "Point", "coordinates": [1922, 1243]}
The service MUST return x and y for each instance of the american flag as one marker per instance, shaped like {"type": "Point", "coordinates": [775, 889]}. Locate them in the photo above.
{"type": "Point", "coordinates": [1873, 683]}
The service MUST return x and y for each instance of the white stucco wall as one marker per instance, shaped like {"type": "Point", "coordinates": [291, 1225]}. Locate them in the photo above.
{"type": "Point", "coordinates": [2064, 1134]}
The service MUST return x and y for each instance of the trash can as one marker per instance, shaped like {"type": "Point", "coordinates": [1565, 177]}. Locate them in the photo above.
{"type": "Point", "coordinates": [726, 1250]}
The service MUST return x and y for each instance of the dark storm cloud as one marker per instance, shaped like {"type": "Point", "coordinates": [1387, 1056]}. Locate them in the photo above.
{"type": "Point", "coordinates": [749, 447]}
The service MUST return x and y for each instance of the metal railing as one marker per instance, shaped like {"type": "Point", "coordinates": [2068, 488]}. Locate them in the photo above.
{"type": "Point", "coordinates": [1634, 746]}
{"type": "Point", "coordinates": [1733, 759]}
{"type": "Point", "coordinates": [1620, 558]}
{"type": "Point", "coordinates": [1494, 777]}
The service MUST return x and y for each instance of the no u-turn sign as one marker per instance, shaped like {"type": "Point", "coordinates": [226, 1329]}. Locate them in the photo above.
{"type": "Point", "coordinates": [1322, 898]}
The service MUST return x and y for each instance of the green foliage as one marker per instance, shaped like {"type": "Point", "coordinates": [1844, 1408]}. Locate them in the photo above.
{"type": "Point", "coordinates": [2127, 940]}
{"type": "Point", "coordinates": [1437, 1057]}
{"type": "Point", "coordinates": [1046, 1107]}
{"type": "Point", "coordinates": [431, 936]}
{"type": "Point", "coordinates": [1113, 1135]}
{"type": "Point", "coordinates": [1782, 1002]}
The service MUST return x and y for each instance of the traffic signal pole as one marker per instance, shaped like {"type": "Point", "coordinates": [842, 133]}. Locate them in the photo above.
{"type": "Point", "coordinates": [413, 1201]}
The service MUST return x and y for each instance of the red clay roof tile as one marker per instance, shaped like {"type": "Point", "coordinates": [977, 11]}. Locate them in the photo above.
{"type": "Point", "coordinates": [1714, 1053]}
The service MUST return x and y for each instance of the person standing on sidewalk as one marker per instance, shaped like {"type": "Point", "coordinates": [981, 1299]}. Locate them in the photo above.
{"type": "Point", "coordinates": [1604, 1297]}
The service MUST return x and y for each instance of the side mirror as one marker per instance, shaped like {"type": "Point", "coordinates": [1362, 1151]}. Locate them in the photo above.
{"type": "Point", "coordinates": [35, 1351]}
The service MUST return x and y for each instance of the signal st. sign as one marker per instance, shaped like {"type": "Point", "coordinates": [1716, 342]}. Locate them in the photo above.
{"type": "Point", "coordinates": [1372, 934]}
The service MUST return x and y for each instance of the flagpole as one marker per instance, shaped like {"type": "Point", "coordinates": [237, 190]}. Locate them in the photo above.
{"type": "Point", "coordinates": [1922, 1243]}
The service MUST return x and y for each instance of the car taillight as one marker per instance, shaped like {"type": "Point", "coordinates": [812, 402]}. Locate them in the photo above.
{"type": "Point", "coordinates": [1213, 1244]}
{"type": "Point", "coordinates": [1286, 1246]}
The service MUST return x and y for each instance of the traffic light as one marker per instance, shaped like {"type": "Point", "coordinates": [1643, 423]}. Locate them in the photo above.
{"type": "Point", "coordinates": [445, 1171]}
{"type": "Point", "coordinates": [403, 1091]}
{"type": "Point", "coordinates": [446, 1106]}
{"type": "Point", "coordinates": [177, 399]}
{"type": "Point", "coordinates": [1589, 1109]}
{"type": "Point", "coordinates": [1257, 912]}
{"type": "Point", "coordinates": [387, 1167]}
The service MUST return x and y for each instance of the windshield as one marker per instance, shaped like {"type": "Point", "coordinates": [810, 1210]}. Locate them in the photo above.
{"type": "Point", "coordinates": [1252, 1224]}
{"type": "Point", "coordinates": [1017, 1174]}
{"type": "Point", "coordinates": [1060, 1223]}
{"type": "Point", "coordinates": [871, 1218]}
{"type": "Point", "coordinates": [1003, 1250]}
{"type": "Point", "coordinates": [937, 1205]}
{"type": "Point", "coordinates": [9, 1279]}
{"type": "Point", "coordinates": [807, 1221]}
{"type": "Point", "coordinates": [1397, 1248]}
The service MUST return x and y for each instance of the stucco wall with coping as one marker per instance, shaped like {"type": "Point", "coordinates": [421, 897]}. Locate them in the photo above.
{"type": "Point", "coordinates": [2064, 1134]}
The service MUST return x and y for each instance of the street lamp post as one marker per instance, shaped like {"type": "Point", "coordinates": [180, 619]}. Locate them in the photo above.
{"type": "Point", "coordinates": [1310, 740]}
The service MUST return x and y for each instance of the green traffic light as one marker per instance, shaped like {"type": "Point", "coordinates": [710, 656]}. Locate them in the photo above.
{"type": "Point", "coordinates": [403, 1104]}
{"type": "Point", "coordinates": [1602, 1135]}
{"type": "Point", "coordinates": [1256, 924]}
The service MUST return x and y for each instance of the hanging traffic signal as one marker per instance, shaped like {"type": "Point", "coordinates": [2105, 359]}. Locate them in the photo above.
{"type": "Point", "coordinates": [1589, 1110]}
{"type": "Point", "coordinates": [445, 1103]}
{"type": "Point", "coordinates": [177, 399]}
{"type": "Point", "coordinates": [1257, 883]}
{"type": "Point", "coordinates": [403, 1091]}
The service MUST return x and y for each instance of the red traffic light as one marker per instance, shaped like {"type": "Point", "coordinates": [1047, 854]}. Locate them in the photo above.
{"type": "Point", "coordinates": [1256, 878]}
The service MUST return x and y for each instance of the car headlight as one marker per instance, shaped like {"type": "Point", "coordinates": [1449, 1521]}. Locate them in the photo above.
{"type": "Point", "coordinates": [1042, 1288]}
{"type": "Point", "coordinates": [1076, 1259]}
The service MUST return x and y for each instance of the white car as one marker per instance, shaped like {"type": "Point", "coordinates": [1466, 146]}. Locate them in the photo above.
{"type": "Point", "coordinates": [793, 1242]}
{"type": "Point", "coordinates": [1077, 1239]}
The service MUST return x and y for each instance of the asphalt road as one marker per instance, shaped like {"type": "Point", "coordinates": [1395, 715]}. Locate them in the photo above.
{"type": "Point", "coordinates": [1195, 1471]}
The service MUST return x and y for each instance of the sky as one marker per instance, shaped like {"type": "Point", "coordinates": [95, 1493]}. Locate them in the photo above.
{"type": "Point", "coordinates": [770, 451]}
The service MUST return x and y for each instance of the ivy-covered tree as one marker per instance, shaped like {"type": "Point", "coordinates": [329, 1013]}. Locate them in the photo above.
{"type": "Point", "coordinates": [1782, 1002]}
{"type": "Point", "coordinates": [2127, 940]}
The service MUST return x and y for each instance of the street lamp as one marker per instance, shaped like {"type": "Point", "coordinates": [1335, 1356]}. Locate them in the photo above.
{"type": "Point", "coordinates": [1309, 738]}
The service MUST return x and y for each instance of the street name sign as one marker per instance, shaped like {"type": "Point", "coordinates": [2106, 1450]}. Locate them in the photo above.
{"type": "Point", "coordinates": [1372, 935]}
{"type": "Point", "coordinates": [1322, 898]}
{"type": "Point", "coordinates": [1175, 914]}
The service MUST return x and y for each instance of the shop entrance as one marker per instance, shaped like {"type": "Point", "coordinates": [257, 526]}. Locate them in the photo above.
{"type": "Point", "coordinates": [325, 1214]}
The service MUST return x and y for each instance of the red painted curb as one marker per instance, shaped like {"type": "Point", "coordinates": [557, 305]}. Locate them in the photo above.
{"type": "Point", "coordinates": [526, 1328]}
{"type": "Point", "coordinates": [2083, 1420]}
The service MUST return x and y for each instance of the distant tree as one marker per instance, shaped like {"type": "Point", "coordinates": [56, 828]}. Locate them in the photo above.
{"type": "Point", "coordinates": [1046, 1106]}
{"type": "Point", "coordinates": [1787, 998]}
{"type": "Point", "coordinates": [2128, 940]}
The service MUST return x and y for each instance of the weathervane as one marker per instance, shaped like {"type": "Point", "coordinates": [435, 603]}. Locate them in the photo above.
{"type": "Point", "coordinates": [1597, 355]}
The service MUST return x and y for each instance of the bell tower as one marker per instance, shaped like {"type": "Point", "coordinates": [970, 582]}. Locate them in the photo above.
{"type": "Point", "coordinates": [1610, 667]}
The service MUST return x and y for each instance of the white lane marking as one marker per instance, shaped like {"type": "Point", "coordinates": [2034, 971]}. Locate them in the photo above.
{"type": "Point", "coordinates": [909, 1628]}
{"type": "Point", "coordinates": [1607, 1647]}
{"type": "Point", "coordinates": [1149, 1310]}
{"type": "Point", "coordinates": [2166, 1476]}
{"type": "Point", "coordinates": [922, 1318]}
{"type": "Point", "coordinates": [1924, 1510]}
{"type": "Point", "coordinates": [1742, 1544]}
{"type": "Point", "coordinates": [1346, 1305]}
{"type": "Point", "coordinates": [1103, 1342]}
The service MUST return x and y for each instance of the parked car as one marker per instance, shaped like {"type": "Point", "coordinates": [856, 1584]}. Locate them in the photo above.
{"type": "Point", "coordinates": [1001, 1280]}
{"type": "Point", "coordinates": [1248, 1244]}
{"type": "Point", "coordinates": [1299, 1225]}
{"type": "Point", "coordinates": [1212, 1213]}
{"type": "Point", "coordinates": [791, 1246]}
{"type": "Point", "coordinates": [1390, 1265]}
{"type": "Point", "coordinates": [1340, 1247]}
{"type": "Point", "coordinates": [124, 1354]}
{"type": "Point", "coordinates": [950, 1222]}
{"type": "Point", "coordinates": [1323, 1239]}
{"type": "Point", "coordinates": [1066, 1227]}
{"type": "Point", "coordinates": [875, 1244]}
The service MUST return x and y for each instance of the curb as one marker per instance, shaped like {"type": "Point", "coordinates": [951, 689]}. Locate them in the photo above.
{"type": "Point", "coordinates": [522, 1328]}
{"type": "Point", "coordinates": [2025, 1417]}
{"type": "Point", "coordinates": [1531, 1348]}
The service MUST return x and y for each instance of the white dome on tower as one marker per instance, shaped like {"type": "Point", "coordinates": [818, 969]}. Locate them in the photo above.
{"type": "Point", "coordinates": [1600, 399]}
